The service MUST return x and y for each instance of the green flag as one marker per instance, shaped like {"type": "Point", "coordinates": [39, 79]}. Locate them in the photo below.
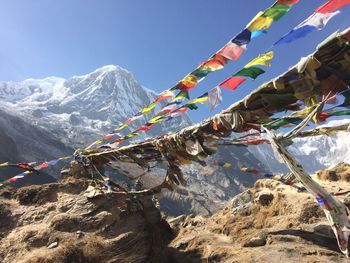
{"type": "Point", "coordinates": [276, 11]}
{"type": "Point", "coordinates": [251, 72]}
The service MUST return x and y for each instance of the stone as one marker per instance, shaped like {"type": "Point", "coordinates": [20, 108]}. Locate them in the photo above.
{"type": "Point", "coordinates": [324, 230]}
{"type": "Point", "coordinates": [265, 197]}
{"type": "Point", "coordinates": [256, 242]}
{"type": "Point", "coordinates": [79, 234]}
{"type": "Point", "coordinates": [53, 245]}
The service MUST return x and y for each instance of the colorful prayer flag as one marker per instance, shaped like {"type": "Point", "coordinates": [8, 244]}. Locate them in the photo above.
{"type": "Point", "coordinates": [202, 99]}
{"type": "Point", "coordinates": [242, 38]}
{"type": "Point", "coordinates": [259, 22]}
{"type": "Point", "coordinates": [232, 51]}
{"type": "Point", "coordinates": [287, 2]}
{"type": "Point", "coordinates": [165, 95]}
{"type": "Point", "coordinates": [331, 6]}
{"type": "Point", "coordinates": [276, 11]}
{"type": "Point", "coordinates": [182, 95]}
{"type": "Point", "coordinates": [188, 83]}
{"type": "Point", "coordinates": [148, 109]}
{"type": "Point", "coordinates": [232, 83]}
{"type": "Point", "coordinates": [261, 60]}
{"type": "Point", "coordinates": [313, 22]}
{"type": "Point", "coordinates": [251, 72]}
{"type": "Point", "coordinates": [201, 71]}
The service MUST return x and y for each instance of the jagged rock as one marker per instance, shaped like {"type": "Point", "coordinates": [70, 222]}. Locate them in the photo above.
{"type": "Point", "coordinates": [324, 230]}
{"type": "Point", "coordinates": [255, 242]}
{"type": "Point", "coordinates": [265, 197]}
{"type": "Point", "coordinates": [242, 201]}
{"type": "Point", "coordinates": [79, 234]}
{"type": "Point", "coordinates": [53, 245]}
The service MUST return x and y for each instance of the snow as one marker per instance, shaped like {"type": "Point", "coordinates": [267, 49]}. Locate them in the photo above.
{"type": "Point", "coordinates": [314, 153]}
{"type": "Point", "coordinates": [96, 102]}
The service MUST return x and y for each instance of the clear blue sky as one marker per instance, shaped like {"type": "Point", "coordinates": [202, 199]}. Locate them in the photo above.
{"type": "Point", "coordinates": [158, 41]}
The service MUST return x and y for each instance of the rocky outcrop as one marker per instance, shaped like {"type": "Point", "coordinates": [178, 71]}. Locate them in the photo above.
{"type": "Point", "coordinates": [59, 223]}
{"type": "Point", "coordinates": [270, 222]}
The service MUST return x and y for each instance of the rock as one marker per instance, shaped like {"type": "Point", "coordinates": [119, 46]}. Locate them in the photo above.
{"type": "Point", "coordinates": [323, 230]}
{"type": "Point", "coordinates": [256, 242]}
{"type": "Point", "coordinates": [265, 197]}
{"type": "Point", "coordinates": [79, 234]}
{"type": "Point", "coordinates": [242, 201]}
{"type": "Point", "coordinates": [53, 245]}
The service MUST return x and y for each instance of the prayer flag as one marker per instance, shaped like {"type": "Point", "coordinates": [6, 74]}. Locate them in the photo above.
{"type": "Point", "coordinates": [201, 71]}
{"type": "Point", "coordinates": [276, 11]}
{"type": "Point", "coordinates": [156, 119]}
{"type": "Point", "coordinates": [287, 2]}
{"type": "Point", "coordinates": [108, 136]}
{"type": "Point", "coordinates": [188, 83]}
{"type": "Point", "coordinates": [251, 72]}
{"type": "Point", "coordinates": [242, 38]}
{"type": "Point", "coordinates": [232, 51]}
{"type": "Point", "coordinates": [261, 60]}
{"type": "Point", "coordinates": [191, 106]}
{"type": "Point", "coordinates": [232, 83]}
{"type": "Point", "coordinates": [146, 127]}
{"type": "Point", "coordinates": [170, 107]}
{"type": "Point", "coordinates": [215, 63]}
{"type": "Point", "coordinates": [331, 6]}
{"type": "Point", "coordinates": [346, 102]}
{"type": "Point", "coordinates": [182, 95]}
{"type": "Point", "coordinates": [259, 22]}
{"type": "Point", "coordinates": [215, 97]}
{"type": "Point", "coordinates": [165, 95]}
{"type": "Point", "coordinates": [313, 22]}
{"type": "Point", "coordinates": [202, 99]}
{"type": "Point", "coordinates": [148, 109]}
{"type": "Point", "coordinates": [258, 33]}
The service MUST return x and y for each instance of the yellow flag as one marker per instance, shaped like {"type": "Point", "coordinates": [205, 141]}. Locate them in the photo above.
{"type": "Point", "coordinates": [148, 109]}
{"type": "Point", "coordinates": [200, 100]}
{"type": "Point", "coordinates": [121, 127]}
{"type": "Point", "coordinates": [98, 142]}
{"type": "Point", "coordinates": [261, 60]}
{"type": "Point", "coordinates": [244, 169]}
{"type": "Point", "coordinates": [227, 165]}
{"type": "Point", "coordinates": [259, 22]}
{"type": "Point", "coordinates": [303, 112]}
{"type": "Point", "coordinates": [156, 119]}
{"type": "Point", "coordinates": [4, 164]}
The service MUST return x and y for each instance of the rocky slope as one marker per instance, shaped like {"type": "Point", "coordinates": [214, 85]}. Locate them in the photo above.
{"type": "Point", "coordinates": [70, 221]}
{"type": "Point", "coordinates": [270, 222]}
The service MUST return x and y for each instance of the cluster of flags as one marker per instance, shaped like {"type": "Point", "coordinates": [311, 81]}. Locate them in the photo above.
{"type": "Point", "coordinates": [317, 21]}
{"type": "Point", "coordinates": [231, 51]}
{"type": "Point", "coordinates": [29, 168]}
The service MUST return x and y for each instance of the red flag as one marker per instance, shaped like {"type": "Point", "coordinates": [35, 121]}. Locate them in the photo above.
{"type": "Point", "coordinates": [164, 96]}
{"type": "Point", "coordinates": [231, 51]}
{"type": "Point", "coordinates": [287, 2]}
{"type": "Point", "coordinates": [215, 63]}
{"type": "Point", "coordinates": [145, 128]}
{"type": "Point", "coordinates": [108, 136]}
{"type": "Point", "coordinates": [41, 166]}
{"type": "Point", "coordinates": [331, 6]}
{"type": "Point", "coordinates": [13, 179]}
{"type": "Point", "coordinates": [232, 83]}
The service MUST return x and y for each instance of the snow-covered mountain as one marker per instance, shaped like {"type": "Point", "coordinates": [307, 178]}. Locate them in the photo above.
{"type": "Point", "coordinates": [80, 109]}
{"type": "Point", "coordinates": [42, 119]}
{"type": "Point", "coordinates": [314, 153]}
